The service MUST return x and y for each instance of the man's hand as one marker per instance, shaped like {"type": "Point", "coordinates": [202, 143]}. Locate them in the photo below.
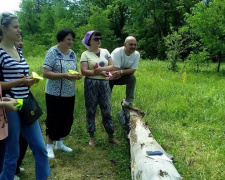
{"type": "Point", "coordinates": [116, 73]}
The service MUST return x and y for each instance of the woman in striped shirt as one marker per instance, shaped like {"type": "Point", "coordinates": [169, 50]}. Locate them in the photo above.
{"type": "Point", "coordinates": [16, 82]}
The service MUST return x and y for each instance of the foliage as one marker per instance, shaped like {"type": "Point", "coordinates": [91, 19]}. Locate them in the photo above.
{"type": "Point", "coordinates": [99, 15]}
{"type": "Point", "coordinates": [174, 44]}
{"type": "Point", "coordinates": [207, 22]}
{"type": "Point", "coordinates": [185, 114]}
{"type": "Point", "coordinates": [194, 25]}
{"type": "Point", "coordinates": [198, 58]}
{"type": "Point", "coordinates": [148, 20]}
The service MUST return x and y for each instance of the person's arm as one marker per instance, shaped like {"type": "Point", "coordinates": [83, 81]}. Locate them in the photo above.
{"type": "Point", "coordinates": [87, 72]}
{"type": "Point", "coordinates": [124, 71]}
{"type": "Point", "coordinates": [9, 104]}
{"type": "Point", "coordinates": [52, 75]}
{"type": "Point", "coordinates": [117, 69]}
{"type": "Point", "coordinates": [106, 68]}
{"type": "Point", "coordinates": [27, 81]}
{"type": "Point", "coordinates": [79, 76]}
{"type": "Point", "coordinates": [117, 72]}
{"type": "Point", "coordinates": [85, 68]}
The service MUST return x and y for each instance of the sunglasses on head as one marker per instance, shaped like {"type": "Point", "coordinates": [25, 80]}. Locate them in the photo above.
{"type": "Point", "coordinates": [97, 38]}
{"type": "Point", "coordinates": [6, 15]}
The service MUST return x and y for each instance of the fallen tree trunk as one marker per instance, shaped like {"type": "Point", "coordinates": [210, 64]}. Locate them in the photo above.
{"type": "Point", "coordinates": [145, 167]}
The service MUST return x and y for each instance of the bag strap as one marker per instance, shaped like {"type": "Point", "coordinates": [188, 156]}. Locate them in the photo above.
{"type": "Point", "coordinates": [4, 113]}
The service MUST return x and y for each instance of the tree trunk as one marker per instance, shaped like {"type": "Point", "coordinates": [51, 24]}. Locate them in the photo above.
{"type": "Point", "coordinates": [145, 167]}
{"type": "Point", "coordinates": [219, 62]}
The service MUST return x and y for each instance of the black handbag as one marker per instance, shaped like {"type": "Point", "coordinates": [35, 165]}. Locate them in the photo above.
{"type": "Point", "coordinates": [30, 111]}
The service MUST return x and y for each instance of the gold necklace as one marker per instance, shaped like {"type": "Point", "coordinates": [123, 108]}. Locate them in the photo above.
{"type": "Point", "coordinates": [12, 53]}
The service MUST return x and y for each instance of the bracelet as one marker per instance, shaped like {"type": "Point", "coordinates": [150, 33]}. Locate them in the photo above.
{"type": "Point", "coordinates": [121, 71]}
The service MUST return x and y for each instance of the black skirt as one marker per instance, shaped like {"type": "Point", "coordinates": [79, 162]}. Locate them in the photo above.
{"type": "Point", "coordinates": [59, 116]}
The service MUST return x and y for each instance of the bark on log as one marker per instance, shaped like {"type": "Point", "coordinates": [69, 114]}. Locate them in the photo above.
{"type": "Point", "coordinates": [143, 167]}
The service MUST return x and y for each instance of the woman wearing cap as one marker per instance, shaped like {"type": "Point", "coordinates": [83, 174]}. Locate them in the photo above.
{"type": "Point", "coordinates": [16, 82]}
{"type": "Point", "coordinates": [95, 65]}
{"type": "Point", "coordinates": [60, 90]}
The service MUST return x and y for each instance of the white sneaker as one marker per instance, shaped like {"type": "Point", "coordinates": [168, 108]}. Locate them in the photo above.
{"type": "Point", "coordinates": [64, 148]}
{"type": "Point", "coordinates": [16, 177]}
{"type": "Point", "coordinates": [21, 169]}
{"type": "Point", "coordinates": [50, 152]}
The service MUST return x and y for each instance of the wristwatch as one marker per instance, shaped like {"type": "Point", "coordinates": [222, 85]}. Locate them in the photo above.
{"type": "Point", "coordinates": [121, 71]}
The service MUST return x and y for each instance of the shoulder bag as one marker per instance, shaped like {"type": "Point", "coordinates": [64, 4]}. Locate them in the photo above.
{"type": "Point", "coordinates": [30, 111]}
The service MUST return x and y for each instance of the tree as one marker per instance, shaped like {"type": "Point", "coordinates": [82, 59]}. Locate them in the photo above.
{"type": "Point", "coordinates": [207, 22]}
{"type": "Point", "coordinates": [151, 20]}
{"type": "Point", "coordinates": [148, 20]}
{"type": "Point", "coordinates": [29, 17]}
{"type": "Point", "coordinates": [101, 16]}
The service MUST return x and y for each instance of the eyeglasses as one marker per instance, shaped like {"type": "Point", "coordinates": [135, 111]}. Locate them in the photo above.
{"type": "Point", "coordinates": [132, 44]}
{"type": "Point", "coordinates": [97, 39]}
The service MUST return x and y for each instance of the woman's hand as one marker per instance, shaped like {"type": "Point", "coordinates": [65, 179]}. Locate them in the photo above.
{"type": "Point", "coordinates": [98, 70]}
{"type": "Point", "coordinates": [104, 73]}
{"type": "Point", "coordinates": [28, 81]}
{"type": "Point", "coordinates": [73, 77]}
{"type": "Point", "coordinates": [10, 103]}
{"type": "Point", "coordinates": [79, 76]}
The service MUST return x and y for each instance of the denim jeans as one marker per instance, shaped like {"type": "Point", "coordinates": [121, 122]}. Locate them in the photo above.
{"type": "Point", "coordinates": [33, 135]}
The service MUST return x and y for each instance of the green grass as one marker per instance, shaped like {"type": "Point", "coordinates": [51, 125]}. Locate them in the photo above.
{"type": "Point", "coordinates": [186, 116]}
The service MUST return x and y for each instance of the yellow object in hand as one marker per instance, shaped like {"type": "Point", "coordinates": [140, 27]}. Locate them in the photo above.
{"type": "Point", "coordinates": [36, 76]}
{"type": "Point", "coordinates": [19, 104]}
{"type": "Point", "coordinates": [72, 72]}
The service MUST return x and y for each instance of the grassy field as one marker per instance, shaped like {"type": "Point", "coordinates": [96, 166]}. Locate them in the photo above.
{"type": "Point", "coordinates": [184, 109]}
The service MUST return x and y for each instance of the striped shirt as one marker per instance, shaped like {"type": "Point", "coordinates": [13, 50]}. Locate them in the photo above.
{"type": "Point", "coordinates": [11, 70]}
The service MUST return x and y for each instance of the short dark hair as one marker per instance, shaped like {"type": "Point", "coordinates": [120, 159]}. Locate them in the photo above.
{"type": "Point", "coordinates": [96, 33]}
{"type": "Point", "coordinates": [63, 33]}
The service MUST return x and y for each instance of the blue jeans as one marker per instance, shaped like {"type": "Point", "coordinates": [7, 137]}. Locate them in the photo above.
{"type": "Point", "coordinates": [33, 135]}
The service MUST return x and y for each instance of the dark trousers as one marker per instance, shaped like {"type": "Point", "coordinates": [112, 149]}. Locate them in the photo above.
{"type": "Point", "coordinates": [59, 116]}
{"type": "Point", "coordinates": [130, 82]}
{"type": "Point", "coordinates": [2, 153]}
{"type": "Point", "coordinates": [97, 92]}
